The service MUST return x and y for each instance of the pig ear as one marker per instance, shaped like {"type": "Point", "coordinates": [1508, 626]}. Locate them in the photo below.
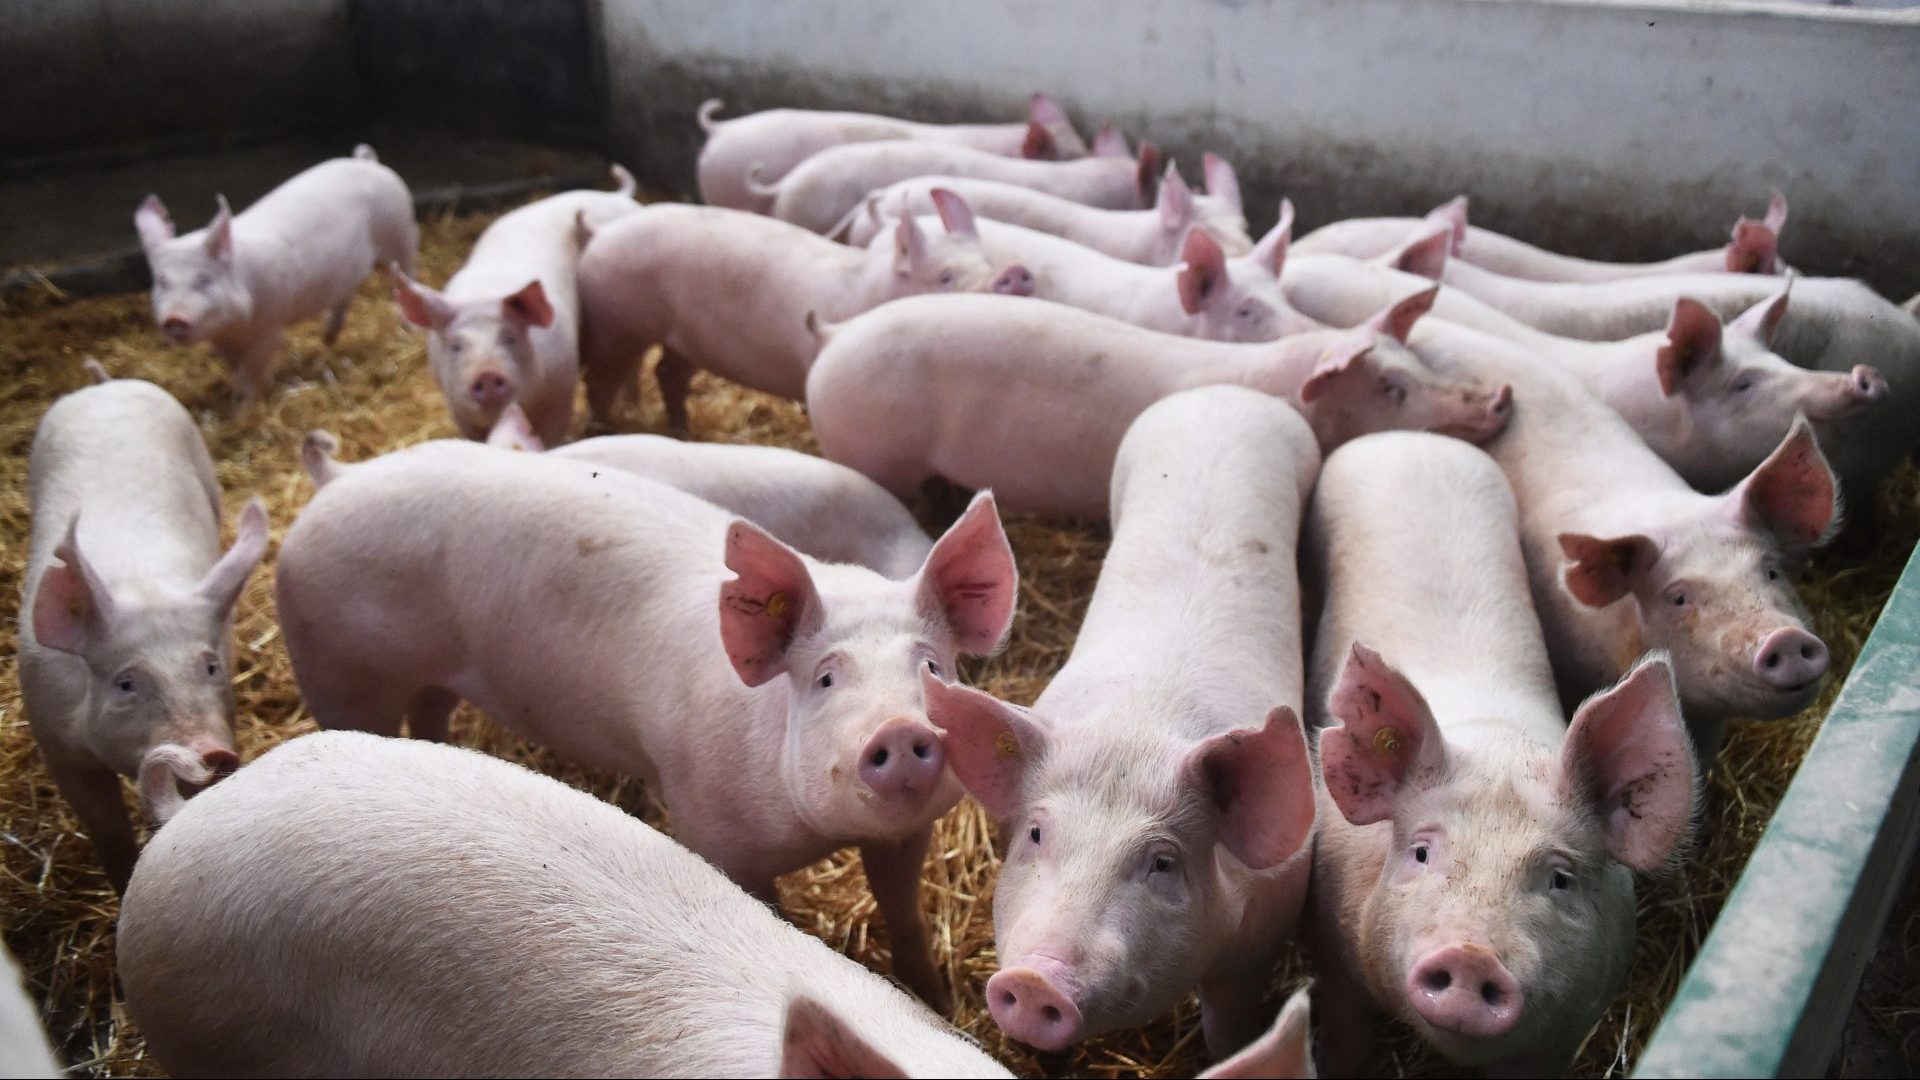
{"type": "Point", "coordinates": [1205, 272]}
{"type": "Point", "coordinates": [529, 305]}
{"type": "Point", "coordinates": [220, 231]}
{"type": "Point", "coordinates": [72, 607]}
{"type": "Point", "coordinates": [1386, 738]}
{"type": "Point", "coordinates": [817, 1043]}
{"type": "Point", "coordinates": [1222, 182]}
{"type": "Point", "coordinates": [1260, 782]}
{"type": "Point", "coordinates": [969, 580]}
{"type": "Point", "coordinates": [1628, 755]}
{"type": "Point", "coordinates": [1284, 1051]}
{"type": "Point", "coordinates": [1348, 353]}
{"type": "Point", "coordinates": [423, 307]}
{"type": "Point", "coordinates": [989, 743]}
{"type": "Point", "coordinates": [1425, 254]}
{"type": "Point", "coordinates": [1452, 214]}
{"type": "Point", "coordinates": [1762, 320]}
{"type": "Point", "coordinates": [1146, 175]}
{"type": "Point", "coordinates": [1397, 321]}
{"type": "Point", "coordinates": [513, 431]}
{"type": "Point", "coordinates": [221, 587]}
{"type": "Point", "coordinates": [1693, 345]}
{"type": "Point", "coordinates": [1602, 571]}
{"type": "Point", "coordinates": [1175, 201]}
{"type": "Point", "coordinates": [909, 244]}
{"type": "Point", "coordinates": [1043, 110]}
{"type": "Point", "coordinates": [769, 601]}
{"type": "Point", "coordinates": [152, 222]}
{"type": "Point", "coordinates": [1792, 494]}
{"type": "Point", "coordinates": [1109, 142]}
{"type": "Point", "coordinates": [1753, 248]}
{"type": "Point", "coordinates": [1271, 252]}
{"type": "Point", "coordinates": [1039, 144]}
{"type": "Point", "coordinates": [954, 212]}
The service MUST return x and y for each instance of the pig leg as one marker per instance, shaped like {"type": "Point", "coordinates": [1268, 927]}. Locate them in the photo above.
{"type": "Point", "coordinates": [605, 381]}
{"type": "Point", "coordinates": [1346, 1016]}
{"type": "Point", "coordinates": [253, 366]}
{"type": "Point", "coordinates": [94, 794]}
{"type": "Point", "coordinates": [893, 873]}
{"type": "Point", "coordinates": [336, 319]}
{"type": "Point", "coordinates": [428, 719]}
{"type": "Point", "coordinates": [674, 374]}
{"type": "Point", "coordinates": [1232, 1013]}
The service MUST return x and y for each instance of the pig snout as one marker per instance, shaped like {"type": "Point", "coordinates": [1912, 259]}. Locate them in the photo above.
{"type": "Point", "coordinates": [903, 759]}
{"type": "Point", "coordinates": [1028, 1004]}
{"type": "Point", "coordinates": [1866, 385]}
{"type": "Point", "coordinates": [1480, 415]}
{"type": "Point", "coordinates": [491, 389]}
{"type": "Point", "coordinates": [177, 329]}
{"type": "Point", "coordinates": [1790, 659]}
{"type": "Point", "coordinates": [1015, 280]}
{"type": "Point", "coordinates": [1466, 990]}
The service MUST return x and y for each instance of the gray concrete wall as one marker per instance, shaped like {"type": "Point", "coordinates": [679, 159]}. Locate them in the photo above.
{"type": "Point", "coordinates": [83, 75]}
{"type": "Point", "coordinates": [1619, 130]}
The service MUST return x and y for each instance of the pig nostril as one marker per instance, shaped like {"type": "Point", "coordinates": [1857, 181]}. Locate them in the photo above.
{"type": "Point", "coordinates": [1051, 1013]}
{"type": "Point", "coordinates": [1437, 980]}
{"type": "Point", "coordinates": [1806, 652]}
{"type": "Point", "coordinates": [879, 758]}
{"type": "Point", "coordinates": [920, 750]}
{"type": "Point", "coordinates": [1007, 1000]}
{"type": "Point", "coordinates": [1492, 994]}
{"type": "Point", "coordinates": [1770, 661]}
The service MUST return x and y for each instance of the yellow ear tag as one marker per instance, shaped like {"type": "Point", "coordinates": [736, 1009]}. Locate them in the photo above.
{"type": "Point", "coordinates": [1006, 744]}
{"type": "Point", "coordinates": [1387, 741]}
{"type": "Point", "coordinates": [76, 607]}
{"type": "Point", "coordinates": [778, 605]}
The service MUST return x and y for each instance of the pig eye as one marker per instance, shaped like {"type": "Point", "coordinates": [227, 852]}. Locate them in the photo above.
{"type": "Point", "coordinates": [1772, 574]}
{"type": "Point", "coordinates": [125, 683]}
{"type": "Point", "coordinates": [933, 667]}
{"type": "Point", "coordinates": [1678, 599]}
{"type": "Point", "coordinates": [1561, 880]}
{"type": "Point", "coordinates": [453, 347]}
{"type": "Point", "coordinates": [1246, 312]}
{"type": "Point", "coordinates": [1163, 863]}
{"type": "Point", "coordinates": [1033, 833]}
{"type": "Point", "coordinates": [213, 667]}
{"type": "Point", "coordinates": [509, 340]}
{"type": "Point", "coordinates": [946, 278]}
{"type": "Point", "coordinates": [202, 281]}
{"type": "Point", "coordinates": [1742, 384]}
{"type": "Point", "coordinates": [1421, 853]}
{"type": "Point", "coordinates": [1394, 390]}
{"type": "Point", "coordinates": [826, 680]}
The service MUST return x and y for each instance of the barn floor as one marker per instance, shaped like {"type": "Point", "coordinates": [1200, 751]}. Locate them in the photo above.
{"type": "Point", "coordinates": [372, 389]}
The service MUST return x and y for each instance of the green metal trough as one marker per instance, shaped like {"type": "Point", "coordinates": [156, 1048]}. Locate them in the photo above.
{"type": "Point", "coordinates": [1772, 988]}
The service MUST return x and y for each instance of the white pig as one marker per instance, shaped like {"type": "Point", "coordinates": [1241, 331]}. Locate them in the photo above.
{"type": "Point", "coordinates": [1154, 237]}
{"type": "Point", "coordinates": [1473, 874]}
{"type": "Point", "coordinates": [830, 185]}
{"type": "Point", "coordinates": [1157, 800]}
{"type": "Point", "coordinates": [299, 252]}
{"type": "Point", "coordinates": [1208, 296]}
{"type": "Point", "coordinates": [772, 702]}
{"type": "Point", "coordinates": [126, 662]}
{"type": "Point", "coordinates": [729, 292]}
{"type": "Point", "coordinates": [1032, 398]}
{"type": "Point", "coordinates": [23, 1041]}
{"type": "Point", "coordinates": [776, 140]}
{"type": "Point", "coordinates": [507, 327]}
{"type": "Point", "coordinates": [1752, 250]}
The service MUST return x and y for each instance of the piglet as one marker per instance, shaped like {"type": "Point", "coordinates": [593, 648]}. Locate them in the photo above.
{"type": "Point", "coordinates": [1032, 398]}
{"type": "Point", "coordinates": [1152, 237]}
{"type": "Point", "coordinates": [23, 1041]}
{"type": "Point", "coordinates": [506, 329]}
{"type": "Point", "coordinates": [729, 292]}
{"type": "Point", "coordinates": [299, 252]}
{"type": "Point", "coordinates": [776, 140]}
{"type": "Point", "coordinates": [772, 702]}
{"type": "Point", "coordinates": [125, 658]}
{"type": "Point", "coordinates": [1473, 874]}
{"type": "Point", "coordinates": [1157, 800]}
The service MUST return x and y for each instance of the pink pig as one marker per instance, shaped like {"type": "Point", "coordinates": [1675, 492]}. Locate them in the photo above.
{"type": "Point", "coordinates": [1157, 801]}
{"type": "Point", "coordinates": [1032, 398]}
{"type": "Point", "coordinates": [779, 717]}
{"type": "Point", "coordinates": [299, 252]}
{"type": "Point", "coordinates": [1153, 237]}
{"type": "Point", "coordinates": [126, 659]}
{"type": "Point", "coordinates": [775, 141]}
{"type": "Point", "coordinates": [730, 292]}
{"type": "Point", "coordinates": [1473, 874]}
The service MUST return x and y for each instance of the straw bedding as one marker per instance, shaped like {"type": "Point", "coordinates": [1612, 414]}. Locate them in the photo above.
{"type": "Point", "coordinates": [373, 390]}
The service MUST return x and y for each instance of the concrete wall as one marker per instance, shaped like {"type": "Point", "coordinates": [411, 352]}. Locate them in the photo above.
{"type": "Point", "coordinates": [83, 75]}
{"type": "Point", "coordinates": [1617, 130]}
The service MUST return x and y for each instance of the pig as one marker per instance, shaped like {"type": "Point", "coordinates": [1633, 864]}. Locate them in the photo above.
{"type": "Point", "coordinates": [1157, 800]}
{"type": "Point", "coordinates": [506, 329]}
{"type": "Point", "coordinates": [1473, 872]}
{"type": "Point", "coordinates": [776, 140]}
{"type": "Point", "coordinates": [780, 717]}
{"type": "Point", "coordinates": [730, 292]}
{"type": "Point", "coordinates": [126, 662]}
{"type": "Point", "coordinates": [824, 189]}
{"type": "Point", "coordinates": [1032, 398]}
{"type": "Point", "coordinates": [23, 1042]}
{"type": "Point", "coordinates": [1753, 248]}
{"type": "Point", "coordinates": [1209, 296]}
{"type": "Point", "coordinates": [293, 922]}
{"type": "Point", "coordinates": [1154, 237]}
{"type": "Point", "coordinates": [299, 252]}
{"type": "Point", "coordinates": [1712, 400]}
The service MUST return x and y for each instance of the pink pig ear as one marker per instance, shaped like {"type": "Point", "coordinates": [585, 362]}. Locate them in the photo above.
{"type": "Point", "coordinates": [72, 607]}
{"type": "Point", "coordinates": [1397, 321]}
{"type": "Point", "coordinates": [1386, 739]}
{"type": "Point", "coordinates": [1284, 1051]}
{"type": "Point", "coordinates": [152, 222]}
{"type": "Point", "coordinates": [1044, 110]}
{"type": "Point", "coordinates": [954, 213]}
{"type": "Point", "coordinates": [220, 231]}
{"type": "Point", "coordinates": [769, 602]}
{"type": "Point", "coordinates": [969, 580]}
{"type": "Point", "coordinates": [989, 743]}
{"type": "Point", "coordinates": [423, 307]}
{"type": "Point", "coordinates": [1425, 254]}
{"type": "Point", "coordinates": [1602, 571]}
{"type": "Point", "coordinates": [1205, 272]}
{"type": "Point", "coordinates": [817, 1043]}
{"type": "Point", "coordinates": [1792, 494]}
{"type": "Point", "coordinates": [1453, 215]}
{"type": "Point", "coordinates": [1146, 175]}
{"type": "Point", "coordinates": [529, 305]}
{"type": "Point", "coordinates": [1271, 252]}
{"type": "Point", "coordinates": [909, 244]}
{"type": "Point", "coordinates": [1039, 144]}
{"type": "Point", "coordinates": [1347, 354]}
{"type": "Point", "coordinates": [1175, 201]}
{"type": "Point", "coordinates": [1110, 142]}
{"type": "Point", "coordinates": [1260, 783]}
{"type": "Point", "coordinates": [221, 587]}
{"type": "Point", "coordinates": [1628, 755]}
{"type": "Point", "coordinates": [513, 431]}
{"type": "Point", "coordinates": [1692, 348]}
{"type": "Point", "coordinates": [1761, 321]}
{"type": "Point", "coordinates": [1222, 181]}
{"type": "Point", "coordinates": [1753, 248]}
